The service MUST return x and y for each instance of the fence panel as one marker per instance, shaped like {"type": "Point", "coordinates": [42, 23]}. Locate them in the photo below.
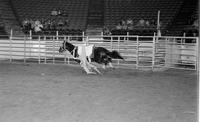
{"type": "Point", "coordinates": [138, 51]}
{"type": "Point", "coordinates": [178, 52]}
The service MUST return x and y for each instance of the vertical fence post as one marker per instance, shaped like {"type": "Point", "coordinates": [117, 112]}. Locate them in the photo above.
{"type": "Point", "coordinates": [184, 35]}
{"type": "Point", "coordinates": [39, 50]}
{"type": "Point", "coordinates": [153, 53]}
{"type": "Point", "coordinates": [102, 34]}
{"type": "Point", "coordinates": [111, 43]}
{"type": "Point", "coordinates": [65, 59]}
{"type": "Point", "coordinates": [166, 46]}
{"type": "Point", "coordinates": [197, 55]}
{"type": "Point", "coordinates": [118, 48]}
{"type": "Point", "coordinates": [11, 34]}
{"type": "Point", "coordinates": [127, 36]}
{"type": "Point", "coordinates": [30, 35]}
{"type": "Point", "coordinates": [137, 53]}
{"type": "Point", "coordinates": [53, 50]}
{"type": "Point", "coordinates": [24, 49]}
{"type": "Point", "coordinates": [83, 34]}
{"type": "Point", "coordinates": [86, 40]}
{"type": "Point", "coordinates": [68, 61]}
{"type": "Point", "coordinates": [45, 50]}
{"type": "Point", "coordinates": [10, 44]}
{"type": "Point", "coordinates": [65, 54]}
{"type": "Point", "coordinates": [57, 35]}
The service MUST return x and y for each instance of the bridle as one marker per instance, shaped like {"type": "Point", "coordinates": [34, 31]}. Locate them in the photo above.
{"type": "Point", "coordinates": [73, 51]}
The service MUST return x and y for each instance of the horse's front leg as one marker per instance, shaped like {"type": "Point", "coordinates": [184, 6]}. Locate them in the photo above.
{"type": "Point", "coordinates": [89, 59]}
{"type": "Point", "coordinates": [84, 65]}
{"type": "Point", "coordinates": [104, 66]}
{"type": "Point", "coordinates": [94, 67]}
{"type": "Point", "coordinates": [110, 65]}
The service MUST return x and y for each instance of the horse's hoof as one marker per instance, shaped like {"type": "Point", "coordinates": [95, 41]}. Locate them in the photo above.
{"type": "Point", "coordinates": [91, 73]}
{"type": "Point", "coordinates": [100, 73]}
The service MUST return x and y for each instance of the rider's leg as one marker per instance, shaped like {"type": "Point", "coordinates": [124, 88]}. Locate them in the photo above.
{"type": "Point", "coordinates": [84, 62]}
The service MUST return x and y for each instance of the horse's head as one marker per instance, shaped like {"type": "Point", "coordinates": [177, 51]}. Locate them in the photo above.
{"type": "Point", "coordinates": [62, 47]}
{"type": "Point", "coordinates": [66, 46]}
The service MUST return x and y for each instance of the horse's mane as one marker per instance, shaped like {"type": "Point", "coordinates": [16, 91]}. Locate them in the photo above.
{"type": "Point", "coordinates": [69, 45]}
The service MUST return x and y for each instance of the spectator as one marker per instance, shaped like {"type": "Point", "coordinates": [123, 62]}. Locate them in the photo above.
{"type": "Point", "coordinates": [25, 24]}
{"type": "Point", "coordinates": [129, 23]}
{"type": "Point", "coordinates": [118, 27]}
{"type": "Point", "coordinates": [196, 23]}
{"type": "Point", "coordinates": [66, 22]}
{"type": "Point", "coordinates": [59, 12]}
{"type": "Point", "coordinates": [106, 31]}
{"type": "Point", "coordinates": [124, 27]}
{"type": "Point", "coordinates": [60, 21]}
{"type": "Point", "coordinates": [45, 25]}
{"type": "Point", "coordinates": [130, 27]}
{"type": "Point", "coordinates": [54, 12]}
{"type": "Point", "coordinates": [147, 23]}
{"type": "Point", "coordinates": [38, 26]}
{"type": "Point", "coordinates": [141, 22]}
{"type": "Point", "coordinates": [122, 22]}
{"type": "Point", "coordinates": [152, 22]}
{"type": "Point", "coordinates": [31, 24]}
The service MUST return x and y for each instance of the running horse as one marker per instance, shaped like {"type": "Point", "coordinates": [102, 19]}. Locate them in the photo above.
{"type": "Point", "coordinates": [89, 53]}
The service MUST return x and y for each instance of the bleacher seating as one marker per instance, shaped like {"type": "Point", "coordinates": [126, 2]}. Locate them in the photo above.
{"type": "Point", "coordinates": [115, 10]}
{"type": "Point", "coordinates": [75, 10]}
{"type": "Point", "coordinates": [183, 23]}
{"type": "Point", "coordinates": [79, 15]}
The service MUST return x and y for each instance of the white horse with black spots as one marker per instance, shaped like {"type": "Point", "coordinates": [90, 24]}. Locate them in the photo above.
{"type": "Point", "coordinates": [89, 53]}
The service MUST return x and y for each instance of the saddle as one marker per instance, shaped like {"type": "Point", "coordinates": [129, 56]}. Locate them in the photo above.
{"type": "Point", "coordinates": [88, 49]}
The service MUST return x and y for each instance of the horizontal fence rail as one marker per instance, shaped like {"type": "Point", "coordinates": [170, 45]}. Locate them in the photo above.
{"type": "Point", "coordinates": [138, 51]}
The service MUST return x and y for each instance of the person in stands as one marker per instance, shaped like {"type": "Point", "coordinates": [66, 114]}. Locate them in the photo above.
{"type": "Point", "coordinates": [118, 27]}
{"type": "Point", "coordinates": [141, 22]}
{"type": "Point", "coordinates": [54, 12]}
{"type": "Point", "coordinates": [38, 26]}
{"type": "Point", "coordinates": [106, 31]}
{"type": "Point", "coordinates": [147, 24]}
{"type": "Point", "coordinates": [129, 23]}
{"type": "Point", "coordinates": [195, 23]}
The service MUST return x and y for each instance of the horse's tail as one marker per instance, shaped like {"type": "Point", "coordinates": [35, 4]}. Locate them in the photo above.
{"type": "Point", "coordinates": [114, 54]}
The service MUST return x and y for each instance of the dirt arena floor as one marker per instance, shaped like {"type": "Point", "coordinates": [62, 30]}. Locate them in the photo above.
{"type": "Point", "coordinates": [61, 93]}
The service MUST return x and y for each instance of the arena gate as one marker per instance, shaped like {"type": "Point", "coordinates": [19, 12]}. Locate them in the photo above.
{"type": "Point", "coordinates": [140, 52]}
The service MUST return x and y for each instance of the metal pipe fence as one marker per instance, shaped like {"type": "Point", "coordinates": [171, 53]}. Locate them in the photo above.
{"type": "Point", "coordinates": [139, 51]}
